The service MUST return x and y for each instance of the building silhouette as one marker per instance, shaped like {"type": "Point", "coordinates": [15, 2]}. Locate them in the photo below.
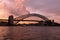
{"type": "Point", "coordinates": [11, 20]}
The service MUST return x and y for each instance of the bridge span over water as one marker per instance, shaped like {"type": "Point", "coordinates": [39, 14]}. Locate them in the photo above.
{"type": "Point", "coordinates": [21, 18]}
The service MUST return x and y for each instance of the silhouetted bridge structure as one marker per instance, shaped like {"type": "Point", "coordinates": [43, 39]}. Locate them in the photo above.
{"type": "Point", "coordinates": [21, 18]}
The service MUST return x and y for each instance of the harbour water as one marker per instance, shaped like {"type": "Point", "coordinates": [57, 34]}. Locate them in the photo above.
{"type": "Point", "coordinates": [29, 33]}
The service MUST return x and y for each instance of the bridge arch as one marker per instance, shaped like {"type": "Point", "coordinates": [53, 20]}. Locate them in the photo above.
{"type": "Point", "coordinates": [29, 15]}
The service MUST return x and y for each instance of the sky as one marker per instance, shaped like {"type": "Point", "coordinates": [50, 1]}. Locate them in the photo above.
{"type": "Point", "coordinates": [48, 8]}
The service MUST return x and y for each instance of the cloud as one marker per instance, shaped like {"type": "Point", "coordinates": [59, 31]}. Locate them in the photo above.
{"type": "Point", "coordinates": [16, 7]}
{"type": "Point", "coordinates": [12, 7]}
{"type": "Point", "coordinates": [48, 6]}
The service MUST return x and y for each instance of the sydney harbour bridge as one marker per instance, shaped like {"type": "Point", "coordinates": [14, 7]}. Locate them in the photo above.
{"type": "Point", "coordinates": [11, 19]}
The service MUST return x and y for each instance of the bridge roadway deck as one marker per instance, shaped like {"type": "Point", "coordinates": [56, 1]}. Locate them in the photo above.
{"type": "Point", "coordinates": [28, 20]}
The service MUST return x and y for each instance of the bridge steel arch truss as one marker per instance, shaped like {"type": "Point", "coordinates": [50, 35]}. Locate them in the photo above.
{"type": "Point", "coordinates": [29, 15]}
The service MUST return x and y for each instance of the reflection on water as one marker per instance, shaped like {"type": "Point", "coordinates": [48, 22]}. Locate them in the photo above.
{"type": "Point", "coordinates": [29, 33]}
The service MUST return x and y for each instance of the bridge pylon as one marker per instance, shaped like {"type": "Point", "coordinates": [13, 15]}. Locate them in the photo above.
{"type": "Point", "coordinates": [11, 20]}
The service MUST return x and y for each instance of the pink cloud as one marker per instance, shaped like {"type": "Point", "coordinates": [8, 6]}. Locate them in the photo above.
{"type": "Point", "coordinates": [12, 7]}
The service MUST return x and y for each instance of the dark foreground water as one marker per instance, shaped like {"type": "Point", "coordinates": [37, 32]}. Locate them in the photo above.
{"type": "Point", "coordinates": [29, 33]}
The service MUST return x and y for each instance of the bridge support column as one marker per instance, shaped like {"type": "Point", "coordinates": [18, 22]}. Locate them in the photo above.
{"type": "Point", "coordinates": [11, 20]}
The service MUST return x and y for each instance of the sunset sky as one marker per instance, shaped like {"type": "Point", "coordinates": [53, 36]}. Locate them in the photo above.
{"type": "Point", "coordinates": [48, 8]}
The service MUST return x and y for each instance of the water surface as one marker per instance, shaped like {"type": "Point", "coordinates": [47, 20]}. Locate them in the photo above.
{"type": "Point", "coordinates": [29, 33]}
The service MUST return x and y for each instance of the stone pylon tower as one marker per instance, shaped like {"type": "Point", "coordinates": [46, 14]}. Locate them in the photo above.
{"type": "Point", "coordinates": [11, 20]}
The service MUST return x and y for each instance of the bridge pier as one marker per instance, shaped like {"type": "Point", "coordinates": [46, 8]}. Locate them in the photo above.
{"type": "Point", "coordinates": [11, 20]}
